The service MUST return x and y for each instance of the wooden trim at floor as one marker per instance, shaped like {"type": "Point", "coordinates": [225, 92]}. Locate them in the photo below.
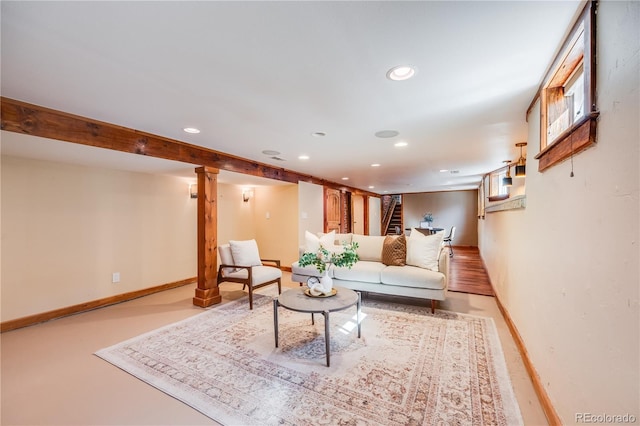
{"type": "Point", "coordinates": [286, 268]}
{"type": "Point", "coordinates": [543, 396]}
{"type": "Point", "coordinates": [88, 306]}
{"type": "Point", "coordinates": [545, 401]}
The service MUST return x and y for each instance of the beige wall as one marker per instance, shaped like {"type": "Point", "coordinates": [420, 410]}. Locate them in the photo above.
{"type": "Point", "coordinates": [450, 208]}
{"type": "Point", "coordinates": [276, 217]}
{"type": "Point", "coordinates": [235, 217]}
{"type": "Point", "coordinates": [310, 209]}
{"type": "Point", "coordinates": [276, 235]}
{"type": "Point", "coordinates": [67, 228]}
{"type": "Point", "coordinates": [567, 267]}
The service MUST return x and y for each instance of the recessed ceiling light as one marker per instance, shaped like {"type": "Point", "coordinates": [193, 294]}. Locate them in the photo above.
{"type": "Point", "coordinates": [191, 130]}
{"type": "Point", "coordinates": [387, 133]}
{"type": "Point", "coordinates": [444, 170]}
{"type": "Point", "coordinates": [400, 144]}
{"type": "Point", "coordinates": [303, 157]}
{"type": "Point", "coordinates": [345, 178]}
{"type": "Point", "coordinates": [399, 73]}
{"type": "Point", "coordinates": [318, 134]}
{"type": "Point", "coordinates": [270, 152]}
{"type": "Point", "coordinates": [371, 186]}
{"type": "Point", "coordinates": [375, 165]}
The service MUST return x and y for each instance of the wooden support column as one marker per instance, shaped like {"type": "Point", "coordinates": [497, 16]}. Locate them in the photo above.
{"type": "Point", "coordinates": [207, 293]}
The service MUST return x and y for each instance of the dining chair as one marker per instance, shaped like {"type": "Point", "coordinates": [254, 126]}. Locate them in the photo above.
{"type": "Point", "coordinates": [449, 238]}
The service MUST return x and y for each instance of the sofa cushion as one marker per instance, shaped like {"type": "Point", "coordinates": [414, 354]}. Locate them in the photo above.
{"type": "Point", "coordinates": [394, 250]}
{"type": "Point", "coordinates": [369, 247]}
{"type": "Point", "coordinates": [412, 276]}
{"type": "Point", "coordinates": [363, 270]}
{"type": "Point", "coordinates": [423, 250]}
{"type": "Point", "coordinates": [245, 253]}
{"type": "Point", "coordinates": [310, 270]}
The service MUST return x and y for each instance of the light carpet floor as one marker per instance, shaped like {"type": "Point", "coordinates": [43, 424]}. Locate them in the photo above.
{"type": "Point", "coordinates": [409, 367]}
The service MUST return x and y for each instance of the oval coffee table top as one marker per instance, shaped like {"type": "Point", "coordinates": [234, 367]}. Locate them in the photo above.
{"type": "Point", "coordinates": [296, 300]}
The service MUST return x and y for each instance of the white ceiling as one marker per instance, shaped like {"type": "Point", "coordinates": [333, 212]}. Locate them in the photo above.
{"type": "Point", "coordinates": [257, 76]}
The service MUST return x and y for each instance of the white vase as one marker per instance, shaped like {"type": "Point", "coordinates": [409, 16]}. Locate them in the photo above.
{"type": "Point", "coordinates": [321, 287]}
{"type": "Point", "coordinates": [327, 282]}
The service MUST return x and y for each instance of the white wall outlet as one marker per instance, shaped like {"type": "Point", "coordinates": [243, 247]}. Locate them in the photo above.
{"type": "Point", "coordinates": [268, 215]}
{"type": "Point", "coordinates": [115, 277]}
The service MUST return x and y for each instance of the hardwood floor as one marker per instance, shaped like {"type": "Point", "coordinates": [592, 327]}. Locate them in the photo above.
{"type": "Point", "coordinates": [466, 272]}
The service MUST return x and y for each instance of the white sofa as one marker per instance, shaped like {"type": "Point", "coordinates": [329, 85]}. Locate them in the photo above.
{"type": "Point", "coordinates": [429, 280]}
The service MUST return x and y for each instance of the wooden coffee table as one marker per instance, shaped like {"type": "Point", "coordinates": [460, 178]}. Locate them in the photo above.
{"type": "Point", "coordinates": [296, 300]}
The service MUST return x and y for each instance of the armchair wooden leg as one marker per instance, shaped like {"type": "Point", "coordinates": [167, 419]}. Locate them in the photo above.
{"type": "Point", "coordinates": [250, 297]}
{"type": "Point", "coordinates": [280, 286]}
{"type": "Point", "coordinates": [433, 306]}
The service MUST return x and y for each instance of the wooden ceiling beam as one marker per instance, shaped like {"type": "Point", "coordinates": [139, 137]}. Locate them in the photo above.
{"type": "Point", "coordinates": [21, 117]}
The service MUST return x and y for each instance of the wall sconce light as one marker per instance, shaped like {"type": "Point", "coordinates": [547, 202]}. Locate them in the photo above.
{"type": "Point", "coordinates": [521, 167]}
{"type": "Point", "coordinates": [193, 190]}
{"type": "Point", "coordinates": [246, 195]}
{"type": "Point", "coordinates": [507, 180]}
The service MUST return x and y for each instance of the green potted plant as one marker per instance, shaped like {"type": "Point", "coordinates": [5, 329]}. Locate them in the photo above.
{"type": "Point", "coordinates": [428, 217]}
{"type": "Point", "coordinates": [322, 260]}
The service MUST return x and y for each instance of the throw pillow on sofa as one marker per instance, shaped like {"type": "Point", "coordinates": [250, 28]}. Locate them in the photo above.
{"type": "Point", "coordinates": [394, 250]}
{"type": "Point", "coordinates": [341, 239]}
{"type": "Point", "coordinates": [313, 242]}
{"type": "Point", "coordinates": [423, 251]}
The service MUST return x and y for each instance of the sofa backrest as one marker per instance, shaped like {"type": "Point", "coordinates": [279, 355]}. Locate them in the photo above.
{"type": "Point", "coordinates": [340, 238]}
{"type": "Point", "coordinates": [369, 247]}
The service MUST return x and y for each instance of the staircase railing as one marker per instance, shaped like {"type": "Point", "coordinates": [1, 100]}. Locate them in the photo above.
{"type": "Point", "coordinates": [388, 214]}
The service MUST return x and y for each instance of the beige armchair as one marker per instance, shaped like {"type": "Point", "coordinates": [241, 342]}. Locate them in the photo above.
{"type": "Point", "coordinates": [240, 262]}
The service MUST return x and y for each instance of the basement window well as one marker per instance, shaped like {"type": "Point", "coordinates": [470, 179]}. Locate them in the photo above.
{"type": "Point", "coordinates": [497, 189]}
{"type": "Point", "coordinates": [567, 95]}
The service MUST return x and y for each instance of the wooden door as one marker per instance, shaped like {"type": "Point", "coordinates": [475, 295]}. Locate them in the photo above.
{"type": "Point", "coordinates": [332, 210]}
{"type": "Point", "coordinates": [357, 214]}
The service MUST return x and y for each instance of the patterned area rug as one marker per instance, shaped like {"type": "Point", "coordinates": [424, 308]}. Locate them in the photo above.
{"type": "Point", "coordinates": [409, 367]}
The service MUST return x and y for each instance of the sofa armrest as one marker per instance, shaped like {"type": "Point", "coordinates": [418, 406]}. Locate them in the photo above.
{"type": "Point", "coordinates": [443, 261]}
{"type": "Point", "coordinates": [443, 264]}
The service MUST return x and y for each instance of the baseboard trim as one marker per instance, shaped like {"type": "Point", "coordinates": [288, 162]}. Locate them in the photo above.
{"type": "Point", "coordinates": [88, 306]}
{"type": "Point", "coordinates": [545, 401]}
{"type": "Point", "coordinates": [543, 396]}
{"type": "Point", "coordinates": [286, 268]}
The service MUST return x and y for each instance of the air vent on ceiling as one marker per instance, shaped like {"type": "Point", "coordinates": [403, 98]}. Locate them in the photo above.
{"type": "Point", "coordinates": [453, 172]}
{"type": "Point", "coordinates": [278, 158]}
